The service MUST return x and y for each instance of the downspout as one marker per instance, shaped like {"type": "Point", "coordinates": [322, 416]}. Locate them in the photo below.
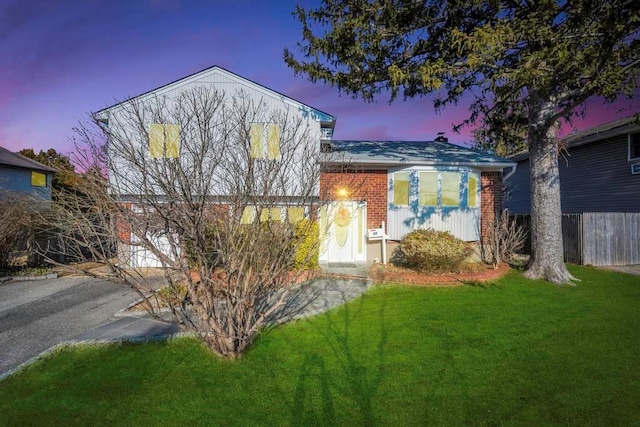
{"type": "Point", "coordinates": [511, 172]}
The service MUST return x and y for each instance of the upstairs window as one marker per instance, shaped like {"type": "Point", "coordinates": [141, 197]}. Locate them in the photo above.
{"type": "Point", "coordinates": [265, 141]}
{"type": "Point", "coordinates": [164, 141]}
{"type": "Point", "coordinates": [401, 188]}
{"type": "Point", "coordinates": [634, 146]}
{"type": "Point", "coordinates": [38, 179]}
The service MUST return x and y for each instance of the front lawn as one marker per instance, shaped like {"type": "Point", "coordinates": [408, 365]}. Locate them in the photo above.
{"type": "Point", "coordinates": [517, 352]}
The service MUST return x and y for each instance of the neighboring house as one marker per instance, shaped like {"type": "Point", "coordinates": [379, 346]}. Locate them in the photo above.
{"type": "Point", "coordinates": [600, 193]}
{"type": "Point", "coordinates": [21, 174]}
{"type": "Point", "coordinates": [406, 185]}
{"type": "Point", "coordinates": [599, 171]}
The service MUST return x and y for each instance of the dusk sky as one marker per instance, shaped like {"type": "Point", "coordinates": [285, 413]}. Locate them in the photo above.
{"type": "Point", "coordinates": [61, 60]}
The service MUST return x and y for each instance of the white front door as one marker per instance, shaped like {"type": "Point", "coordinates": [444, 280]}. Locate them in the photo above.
{"type": "Point", "coordinates": [345, 230]}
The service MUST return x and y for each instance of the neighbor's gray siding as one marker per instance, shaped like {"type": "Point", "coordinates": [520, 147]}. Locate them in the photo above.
{"type": "Point", "coordinates": [517, 196]}
{"type": "Point", "coordinates": [19, 181]}
{"type": "Point", "coordinates": [593, 178]}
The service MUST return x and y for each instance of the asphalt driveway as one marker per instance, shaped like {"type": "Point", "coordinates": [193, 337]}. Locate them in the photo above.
{"type": "Point", "coordinates": [36, 315]}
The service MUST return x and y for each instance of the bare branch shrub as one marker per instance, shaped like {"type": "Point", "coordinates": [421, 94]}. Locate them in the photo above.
{"type": "Point", "coordinates": [15, 224]}
{"type": "Point", "coordinates": [220, 214]}
{"type": "Point", "coordinates": [502, 239]}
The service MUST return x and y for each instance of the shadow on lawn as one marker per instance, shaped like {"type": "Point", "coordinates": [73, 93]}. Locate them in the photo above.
{"type": "Point", "coordinates": [344, 371]}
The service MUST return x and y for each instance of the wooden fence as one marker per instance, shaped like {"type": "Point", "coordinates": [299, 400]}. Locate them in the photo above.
{"type": "Point", "coordinates": [597, 238]}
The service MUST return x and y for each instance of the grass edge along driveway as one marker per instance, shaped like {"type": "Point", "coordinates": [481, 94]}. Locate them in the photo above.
{"type": "Point", "coordinates": [515, 352]}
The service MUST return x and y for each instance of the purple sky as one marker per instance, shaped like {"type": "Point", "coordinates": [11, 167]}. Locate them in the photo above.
{"type": "Point", "coordinates": [62, 60]}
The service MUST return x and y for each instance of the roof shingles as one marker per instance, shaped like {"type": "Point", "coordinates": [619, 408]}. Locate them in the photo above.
{"type": "Point", "coordinates": [394, 153]}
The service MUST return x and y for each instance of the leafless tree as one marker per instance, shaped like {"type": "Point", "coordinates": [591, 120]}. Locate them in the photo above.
{"type": "Point", "coordinates": [211, 187]}
{"type": "Point", "coordinates": [15, 224]}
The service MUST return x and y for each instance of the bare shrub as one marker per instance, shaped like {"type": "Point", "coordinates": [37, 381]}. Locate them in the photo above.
{"type": "Point", "coordinates": [15, 225]}
{"type": "Point", "coordinates": [502, 239]}
{"type": "Point", "coordinates": [217, 212]}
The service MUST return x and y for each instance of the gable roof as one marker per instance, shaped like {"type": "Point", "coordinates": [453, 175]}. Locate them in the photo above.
{"type": "Point", "coordinates": [594, 134]}
{"type": "Point", "coordinates": [407, 153]}
{"type": "Point", "coordinates": [320, 115]}
{"type": "Point", "coordinates": [9, 158]}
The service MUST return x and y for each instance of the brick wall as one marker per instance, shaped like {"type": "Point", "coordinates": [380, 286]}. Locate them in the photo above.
{"type": "Point", "coordinates": [490, 199]}
{"type": "Point", "coordinates": [123, 230]}
{"type": "Point", "coordinates": [367, 185]}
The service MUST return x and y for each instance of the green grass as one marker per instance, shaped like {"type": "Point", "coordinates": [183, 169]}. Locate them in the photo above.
{"type": "Point", "coordinates": [517, 352]}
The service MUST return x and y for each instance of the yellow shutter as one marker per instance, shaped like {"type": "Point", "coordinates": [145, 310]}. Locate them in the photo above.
{"type": "Point", "coordinates": [156, 141]}
{"type": "Point", "coordinates": [295, 214]}
{"type": "Point", "coordinates": [38, 179]}
{"type": "Point", "coordinates": [172, 140]}
{"type": "Point", "coordinates": [256, 141]}
{"type": "Point", "coordinates": [273, 141]}
{"type": "Point", "coordinates": [401, 188]}
{"type": "Point", "coordinates": [472, 192]}
{"type": "Point", "coordinates": [428, 189]}
{"type": "Point", "coordinates": [248, 215]}
{"type": "Point", "coordinates": [450, 189]}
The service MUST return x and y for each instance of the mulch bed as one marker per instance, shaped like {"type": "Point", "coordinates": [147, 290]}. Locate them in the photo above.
{"type": "Point", "coordinates": [392, 274]}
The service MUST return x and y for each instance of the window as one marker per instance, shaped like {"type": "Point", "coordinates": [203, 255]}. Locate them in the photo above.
{"type": "Point", "coordinates": [295, 214]}
{"type": "Point", "coordinates": [472, 191]}
{"type": "Point", "coordinates": [271, 214]}
{"type": "Point", "coordinates": [634, 146]}
{"type": "Point", "coordinates": [428, 189]}
{"type": "Point", "coordinates": [164, 141]}
{"type": "Point", "coordinates": [248, 215]}
{"type": "Point", "coordinates": [276, 213]}
{"type": "Point", "coordinates": [38, 179]}
{"type": "Point", "coordinates": [450, 189]}
{"type": "Point", "coordinates": [265, 141]}
{"type": "Point", "coordinates": [401, 188]}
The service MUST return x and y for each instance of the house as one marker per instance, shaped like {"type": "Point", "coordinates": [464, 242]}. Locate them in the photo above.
{"type": "Point", "coordinates": [360, 185]}
{"type": "Point", "coordinates": [600, 189]}
{"type": "Point", "coordinates": [599, 171]}
{"type": "Point", "coordinates": [23, 175]}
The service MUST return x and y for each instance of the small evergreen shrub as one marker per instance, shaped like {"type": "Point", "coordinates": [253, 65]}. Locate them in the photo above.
{"type": "Point", "coordinates": [431, 251]}
{"type": "Point", "coordinates": [307, 244]}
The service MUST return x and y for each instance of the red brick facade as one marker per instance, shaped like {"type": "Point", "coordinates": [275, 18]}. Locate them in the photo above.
{"type": "Point", "coordinates": [123, 230]}
{"type": "Point", "coordinates": [491, 199]}
{"type": "Point", "coordinates": [367, 185]}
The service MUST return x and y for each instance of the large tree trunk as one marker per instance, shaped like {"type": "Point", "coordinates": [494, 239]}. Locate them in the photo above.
{"type": "Point", "coordinates": [547, 260]}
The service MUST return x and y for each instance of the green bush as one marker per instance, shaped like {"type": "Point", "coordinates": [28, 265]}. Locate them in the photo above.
{"type": "Point", "coordinates": [431, 251]}
{"type": "Point", "coordinates": [306, 238]}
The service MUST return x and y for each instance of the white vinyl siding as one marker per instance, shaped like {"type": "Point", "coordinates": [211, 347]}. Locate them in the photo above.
{"type": "Point", "coordinates": [445, 199]}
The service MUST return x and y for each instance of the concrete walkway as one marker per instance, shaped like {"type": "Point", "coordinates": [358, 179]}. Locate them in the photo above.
{"type": "Point", "coordinates": [309, 300]}
{"type": "Point", "coordinates": [317, 297]}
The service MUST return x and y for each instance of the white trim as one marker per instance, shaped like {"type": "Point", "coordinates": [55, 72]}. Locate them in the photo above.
{"type": "Point", "coordinates": [208, 73]}
{"type": "Point", "coordinates": [629, 140]}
